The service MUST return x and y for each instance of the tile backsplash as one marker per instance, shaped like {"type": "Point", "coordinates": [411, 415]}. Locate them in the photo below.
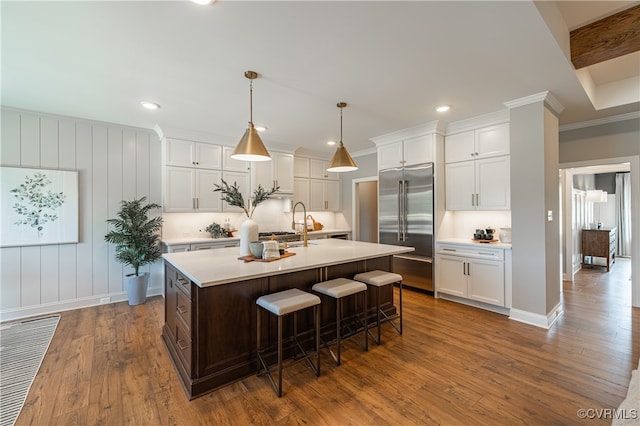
{"type": "Point", "coordinates": [270, 215]}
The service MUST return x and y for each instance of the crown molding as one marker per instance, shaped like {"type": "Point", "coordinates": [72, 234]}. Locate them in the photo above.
{"type": "Point", "coordinates": [600, 121]}
{"type": "Point", "coordinates": [546, 97]}
{"type": "Point", "coordinates": [363, 152]}
{"type": "Point", "coordinates": [436, 126]}
{"type": "Point", "coordinates": [490, 119]}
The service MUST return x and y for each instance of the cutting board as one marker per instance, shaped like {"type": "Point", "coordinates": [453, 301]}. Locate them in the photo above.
{"type": "Point", "coordinates": [252, 258]}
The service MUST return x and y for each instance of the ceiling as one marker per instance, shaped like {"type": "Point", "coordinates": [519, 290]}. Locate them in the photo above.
{"type": "Point", "coordinates": [392, 62]}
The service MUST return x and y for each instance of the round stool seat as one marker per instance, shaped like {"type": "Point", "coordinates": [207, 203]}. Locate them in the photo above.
{"type": "Point", "coordinates": [339, 287]}
{"type": "Point", "coordinates": [285, 302]}
{"type": "Point", "coordinates": [378, 278]}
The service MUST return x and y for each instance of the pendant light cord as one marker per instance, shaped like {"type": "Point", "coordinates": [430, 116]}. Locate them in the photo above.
{"type": "Point", "coordinates": [340, 126]}
{"type": "Point", "coordinates": [251, 101]}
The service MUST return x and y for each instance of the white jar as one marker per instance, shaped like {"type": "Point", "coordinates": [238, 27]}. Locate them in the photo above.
{"type": "Point", "coordinates": [505, 235]}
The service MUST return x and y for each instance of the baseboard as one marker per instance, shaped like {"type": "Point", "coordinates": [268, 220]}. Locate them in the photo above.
{"type": "Point", "coordinates": [486, 306]}
{"type": "Point", "coordinates": [543, 321]}
{"type": "Point", "coordinates": [49, 308]}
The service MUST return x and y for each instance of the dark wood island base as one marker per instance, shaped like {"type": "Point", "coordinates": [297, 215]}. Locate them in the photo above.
{"type": "Point", "coordinates": [210, 332]}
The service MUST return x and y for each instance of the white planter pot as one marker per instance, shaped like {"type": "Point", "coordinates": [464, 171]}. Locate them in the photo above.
{"type": "Point", "coordinates": [248, 233]}
{"type": "Point", "coordinates": [137, 288]}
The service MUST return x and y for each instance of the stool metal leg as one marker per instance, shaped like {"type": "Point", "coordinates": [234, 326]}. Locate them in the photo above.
{"type": "Point", "coordinates": [338, 324]}
{"type": "Point", "coordinates": [316, 311]}
{"type": "Point", "coordinates": [279, 390]}
{"type": "Point", "coordinates": [259, 340]}
{"type": "Point", "coordinates": [365, 330]}
{"type": "Point", "coordinates": [400, 307]}
{"type": "Point", "coordinates": [378, 313]}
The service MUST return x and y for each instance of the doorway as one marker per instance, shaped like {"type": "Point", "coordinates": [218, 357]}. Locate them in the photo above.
{"type": "Point", "coordinates": [579, 213]}
{"type": "Point", "coordinates": [365, 209]}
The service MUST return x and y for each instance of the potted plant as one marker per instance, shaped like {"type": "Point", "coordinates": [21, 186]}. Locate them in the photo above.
{"type": "Point", "coordinates": [232, 195]}
{"type": "Point", "coordinates": [137, 244]}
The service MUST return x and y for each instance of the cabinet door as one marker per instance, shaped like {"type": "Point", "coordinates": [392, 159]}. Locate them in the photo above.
{"type": "Point", "coordinates": [486, 281]}
{"type": "Point", "coordinates": [301, 167]}
{"type": "Point", "coordinates": [492, 141]}
{"type": "Point", "coordinates": [459, 147]}
{"type": "Point", "coordinates": [459, 186]}
{"type": "Point", "coordinates": [262, 174]}
{"type": "Point", "coordinates": [203, 246]}
{"type": "Point", "coordinates": [301, 191]}
{"type": "Point", "coordinates": [332, 196]}
{"type": "Point", "coordinates": [493, 183]}
{"type": "Point", "coordinates": [232, 165]}
{"type": "Point", "coordinates": [390, 155]}
{"type": "Point", "coordinates": [318, 170]}
{"type": "Point", "coordinates": [179, 248]}
{"type": "Point", "coordinates": [418, 150]}
{"type": "Point", "coordinates": [206, 199]}
{"type": "Point", "coordinates": [179, 153]}
{"type": "Point", "coordinates": [242, 179]}
{"type": "Point", "coordinates": [208, 156]}
{"type": "Point", "coordinates": [283, 172]}
{"type": "Point", "coordinates": [451, 276]}
{"type": "Point", "coordinates": [170, 301]}
{"type": "Point", "coordinates": [316, 195]}
{"type": "Point", "coordinates": [179, 195]}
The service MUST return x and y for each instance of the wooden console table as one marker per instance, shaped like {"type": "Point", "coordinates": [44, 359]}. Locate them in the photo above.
{"type": "Point", "coordinates": [599, 243]}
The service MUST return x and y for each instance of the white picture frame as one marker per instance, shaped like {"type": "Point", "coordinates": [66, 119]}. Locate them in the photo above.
{"type": "Point", "coordinates": [38, 207]}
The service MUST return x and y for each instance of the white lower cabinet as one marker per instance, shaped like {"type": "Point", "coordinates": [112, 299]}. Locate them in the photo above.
{"type": "Point", "coordinates": [219, 243]}
{"type": "Point", "coordinates": [472, 273]}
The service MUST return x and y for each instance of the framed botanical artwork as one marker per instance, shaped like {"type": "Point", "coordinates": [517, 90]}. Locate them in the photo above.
{"type": "Point", "coordinates": [39, 207]}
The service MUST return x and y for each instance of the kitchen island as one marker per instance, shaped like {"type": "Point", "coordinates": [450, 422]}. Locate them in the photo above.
{"type": "Point", "coordinates": [210, 310]}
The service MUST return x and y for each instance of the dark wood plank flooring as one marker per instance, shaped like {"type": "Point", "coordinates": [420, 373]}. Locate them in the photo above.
{"type": "Point", "coordinates": [454, 365]}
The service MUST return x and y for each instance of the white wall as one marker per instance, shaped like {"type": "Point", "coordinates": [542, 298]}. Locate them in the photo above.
{"type": "Point", "coordinates": [114, 163]}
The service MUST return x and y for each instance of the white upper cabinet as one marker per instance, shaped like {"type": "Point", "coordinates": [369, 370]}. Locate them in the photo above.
{"type": "Point", "coordinates": [318, 170]}
{"type": "Point", "coordinates": [277, 172]}
{"type": "Point", "coordinates": [192, 154]}
{"type": "Point", "coordinates": [486, 142]}
{"type": "Point", "coordinates": [479, 184]}
{"type": "Point", "coordinates": [415, 150]}
{"type": "Point", "coordinates": [231, 164]}
{"type": "Point", "coordinates": [191, 190]}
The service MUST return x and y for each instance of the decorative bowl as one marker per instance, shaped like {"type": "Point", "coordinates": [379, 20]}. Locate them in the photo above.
{"type": "Point", "coordinates": [256, 249]}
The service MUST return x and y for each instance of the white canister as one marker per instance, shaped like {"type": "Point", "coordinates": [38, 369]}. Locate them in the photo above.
{"type": "Point", "coordinates": [505, 235]}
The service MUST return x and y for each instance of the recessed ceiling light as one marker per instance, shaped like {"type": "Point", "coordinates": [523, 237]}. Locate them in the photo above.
{"type": "Point", "coordinates": [331, 143]}
{"type": "Point", "coordinates": [260, 128]}
{"type": "Point", "coordinates": [203, 2]}
{"type": "Point", "coordinates": [443, 108]}
{"type": "Point", "coordinates": [149, 105]}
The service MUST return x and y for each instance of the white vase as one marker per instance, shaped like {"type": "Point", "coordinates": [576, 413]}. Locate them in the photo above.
{"type": "Point", "coordinates": [248, 233]}
{"type": "Point", "coordinates": [137, 288]}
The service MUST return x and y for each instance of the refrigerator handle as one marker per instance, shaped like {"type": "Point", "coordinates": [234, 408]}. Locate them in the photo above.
{"type": "Point", "coordinates": [405, 184]}
{"type": "Point", "coordinates": [400, 208]}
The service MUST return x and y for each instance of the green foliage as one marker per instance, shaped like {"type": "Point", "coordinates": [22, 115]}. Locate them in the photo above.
{"type": "Point", "coordinates": [36, 205]}
{"type": "Point", "coordinates": [135, 235]}
{"type": "Point", "coordinates": [232, 195]}
{"type": "Point", "coordinates": [216, 230]}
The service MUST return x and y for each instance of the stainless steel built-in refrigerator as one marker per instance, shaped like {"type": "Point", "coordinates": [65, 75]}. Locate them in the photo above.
{"type": "Point", "coordinates": [405, 209]}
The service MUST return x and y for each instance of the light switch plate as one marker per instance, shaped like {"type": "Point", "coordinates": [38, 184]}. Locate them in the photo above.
{"type": "Point", "coordinates": [550, 215]}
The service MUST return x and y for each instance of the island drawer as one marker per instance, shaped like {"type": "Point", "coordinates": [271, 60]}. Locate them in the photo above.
{"type": "Point", "coordinates": [183, 309]}
{"type": "Point", "coordinates": [183, 346]}
{"type": "Point", "coordinates": [183, 283]}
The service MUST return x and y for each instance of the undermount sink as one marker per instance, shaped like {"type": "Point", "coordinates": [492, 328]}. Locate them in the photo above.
{"type": "Point", "coordinates": [300, 244]}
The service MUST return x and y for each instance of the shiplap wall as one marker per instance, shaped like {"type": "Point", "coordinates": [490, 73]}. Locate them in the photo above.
{"type": "Point", "coordinates": [115, 163]}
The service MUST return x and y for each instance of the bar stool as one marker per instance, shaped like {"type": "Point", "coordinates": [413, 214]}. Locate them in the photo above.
{"type": "Point", "coordinates": [340, 288]}
{"type": "Point", "coordinates": [380, 279]}
{"type": "Point", "coordinates": [280, 304]}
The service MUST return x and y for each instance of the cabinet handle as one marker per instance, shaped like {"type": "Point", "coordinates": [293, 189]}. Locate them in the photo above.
{"type": "Point", "coordinates": [472, 200]}
{"type": "Point", "coordinates": [464, 270]}
{"type": "Point", "coordinates": [449, 249]}
{"type": "Point", "coordinates": [326, 205]}
{"type": "Point", "coordinates": [182, 309]}
{"type": "Point", "coordinates": [468, 268]}
{"type": "Point", "coordinates": [182, 348]}
{"type": "Point", "coordinates": [182, 282]}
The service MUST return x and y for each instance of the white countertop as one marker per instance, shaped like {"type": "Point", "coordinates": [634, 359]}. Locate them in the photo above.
{"type": "Point", "coordinates": [221, 266]}
{"type": "Point", "coordinates": [471, 242]}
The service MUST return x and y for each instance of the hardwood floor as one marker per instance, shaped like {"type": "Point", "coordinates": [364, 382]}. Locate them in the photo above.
{"type": "Point", "coordinates": [454, 365]}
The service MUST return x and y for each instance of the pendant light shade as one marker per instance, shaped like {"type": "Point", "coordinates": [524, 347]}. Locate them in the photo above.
{"type": "Point", "coordinates": [341, 161]}
{"type": "Point", "coordinates": [250, 147]}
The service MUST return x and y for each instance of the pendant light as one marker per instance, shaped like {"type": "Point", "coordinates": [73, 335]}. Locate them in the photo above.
{"type": "Point", "coordinates": [250, 147]}
{"type": "Point", "coordinates": [341, 161]}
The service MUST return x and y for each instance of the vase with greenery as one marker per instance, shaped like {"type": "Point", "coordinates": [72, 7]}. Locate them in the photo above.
{"type": "Point", "coordinates": [136, 238]}
{"type": "Point", "coordinates": [232, 195]}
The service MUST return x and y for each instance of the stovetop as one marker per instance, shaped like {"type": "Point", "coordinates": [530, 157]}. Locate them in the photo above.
{"type": "Point", "coordinates": [279, 236]}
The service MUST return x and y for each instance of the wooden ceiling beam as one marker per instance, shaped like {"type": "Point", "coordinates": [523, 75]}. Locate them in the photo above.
{"type": "Point", "coordinates": [608, 38]}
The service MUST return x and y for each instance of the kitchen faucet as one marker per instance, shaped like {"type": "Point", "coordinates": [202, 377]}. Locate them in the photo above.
{"type": "Point", "coordinates": [304, 226]}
